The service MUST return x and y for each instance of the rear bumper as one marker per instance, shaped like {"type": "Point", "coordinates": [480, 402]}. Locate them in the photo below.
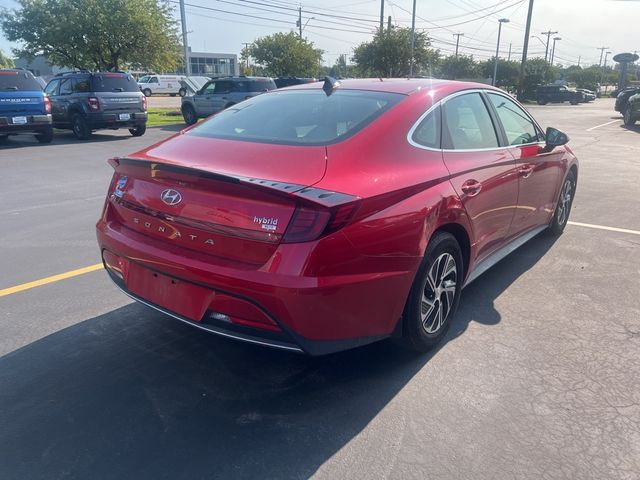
{"type": "Point", "coordinates": [315, 315]}
{"type": "Point", "coordinates": [35, 124]}
{"type": "Point", "coordinates": [110, 120]}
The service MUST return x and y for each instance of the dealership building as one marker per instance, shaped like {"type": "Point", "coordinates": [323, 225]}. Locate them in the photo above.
{"type": "Point", "coordinates": [213, 64]}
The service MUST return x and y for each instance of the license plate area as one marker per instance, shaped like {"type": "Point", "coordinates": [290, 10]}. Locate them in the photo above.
{"type": "Point", "coordinates": [184, 298]}
{"type": "Point", "coordinates": [123, 117]}
{"type": "Point", "coordinates": [19, 120]}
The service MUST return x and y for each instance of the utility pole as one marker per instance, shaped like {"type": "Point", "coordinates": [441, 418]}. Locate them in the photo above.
{"type": "Point", "coordinates": [525, 49]}
{"type": "Point", "coordinates": [553, 50]}
{"type": "Point", "coordinates": [510, 45]}
{"type": "Point", "coordinates": [579, 58]}
{"type": "Point", "coordinates": [602, 49]}
{"type": "Point", "coordinates": [548, 34]}
{"type": "Point", "coordinates": [389, 24]}
{"type": "Point", "coordinates": [381, 16]}
{"type": "Point", "coordinates": [413, 37]}
{"type": "Point", "coordinates": [604, 67]}
{"type": "Point", "coordinates": [300, 20]}
{"type": "Point", "coordinates": [246, 46]}
{"type": "Point", "coordinates": [458, 35]}
{"type": "Point", "coordinates": [185, 42]}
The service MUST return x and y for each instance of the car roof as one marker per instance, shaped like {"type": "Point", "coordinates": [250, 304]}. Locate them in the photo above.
{"type": "Point", "coordinates": [405, 86]}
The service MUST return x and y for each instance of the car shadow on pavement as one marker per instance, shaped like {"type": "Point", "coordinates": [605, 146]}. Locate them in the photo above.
{"type": "Point", "coordinates": [631, 128]}
{"type": "Point", "coordinates": [174, 127]}
{"type": "Point", "coordinates": [61, 139]}
{"type": "Point", "coordinates": [134, 394]}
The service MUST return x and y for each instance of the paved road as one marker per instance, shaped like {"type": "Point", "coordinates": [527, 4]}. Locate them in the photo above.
{"type": "Point", "coordinates": [538, 378]}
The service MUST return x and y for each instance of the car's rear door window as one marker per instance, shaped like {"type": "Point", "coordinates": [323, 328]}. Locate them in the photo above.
{"type": "Point", "coordinates": [518, 127]}
{"type": "Point", "coordinates": [262, 85]}
{"type": "Point", "coordinates": [18, 81]}
{"type": "Point", "coordinates": [299, 117]}
{"type": "Point", "coordinates": [114, 82]}
{"type": "Point", "coordinates": [466, 124]}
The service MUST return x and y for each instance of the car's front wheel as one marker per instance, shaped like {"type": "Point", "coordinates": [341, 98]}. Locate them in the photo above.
{"type": "Point", "coordinates": [435, 293]}
{"type": "Point", "coordinates": [629, 120]}
{"type": "Point", "coordinates": [563, 207]}
{"type": "Point", "coordinates": [189, 114]}
{"type": "Point", "coordinates": [147, 92]}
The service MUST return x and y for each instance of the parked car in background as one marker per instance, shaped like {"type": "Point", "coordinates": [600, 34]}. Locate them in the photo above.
{"type": "Point", "coordinates": [87, 101]}
{"type": "Point", "coordinates": [632, 111]}
{"type": "Point", "coordinates": [24, 107]}
{"type": "Point", "coordinates": [558, 94]}
{"type": "Point", "coordinates": [589, 95]}
{"type": "Point", "coordinates": [622, 99]}
{"type": "Point", "coordinates": [282, 82]}
{"type": "Point", "coordinates": [167, 84]}
{"type": "Point", "coordinates": [323, 217]}
{"type": "Point", "coordinates": [220, 93]}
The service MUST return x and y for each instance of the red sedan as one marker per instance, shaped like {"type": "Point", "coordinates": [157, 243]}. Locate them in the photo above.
{"type": "Point", "coordinates": [327, 216]}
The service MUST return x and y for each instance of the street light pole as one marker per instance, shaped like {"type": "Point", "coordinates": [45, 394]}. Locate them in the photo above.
{"type": "Point", "coordinates": [553, 51]}
{"type": "Point", "coordinates": [413, 38]}
{"type": "Point", "coordinates": [495, 66]}
{"type": "Point", "coordinates": [185, 43]}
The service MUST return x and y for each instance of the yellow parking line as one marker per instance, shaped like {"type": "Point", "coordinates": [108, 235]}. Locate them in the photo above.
{"type": "Point", "coordinates": [52, 279]}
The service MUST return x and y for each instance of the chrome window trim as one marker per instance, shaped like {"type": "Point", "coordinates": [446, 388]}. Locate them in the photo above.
{"type": "Point", "coordinates": [441, 102]}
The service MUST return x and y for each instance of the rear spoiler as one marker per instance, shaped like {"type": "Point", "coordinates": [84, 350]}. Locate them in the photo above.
{"type": "Point", "coordinates": [318, 196]}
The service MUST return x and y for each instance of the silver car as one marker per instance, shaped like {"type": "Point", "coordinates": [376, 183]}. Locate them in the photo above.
{"type": "Point", "coordinates": [220, 93]}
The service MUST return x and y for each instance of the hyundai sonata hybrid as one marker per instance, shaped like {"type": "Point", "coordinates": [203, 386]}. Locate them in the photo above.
{"type": "Point", "coordinates": [330, 215]}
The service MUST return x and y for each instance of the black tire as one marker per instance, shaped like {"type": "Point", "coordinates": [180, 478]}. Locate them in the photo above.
{"type": "Point", "coordinates": [563, 205]}
{"type": "Point", "coordinates": [172, 94]}
{"type": "Point", "coordinates": [139, 130]}
{"type": "Point", "coordinates": [182, 92]}
{"type": "Point", "coordinates": [147, 92]}
{"type": "Point", "coordinates": [574, 102]}
{"type": "Point", "coordinates": [4, 139]}
{"type": "Point", "coordinates": [46, 136]}
{"type": "Point", "coordinates": [419, 333]}
{"type": "Point", "coordinates": [79, 126]}
{"type": "Point", "coordinates": [189, 114]}
{"type": "Point", "coordinates": [628, 117]}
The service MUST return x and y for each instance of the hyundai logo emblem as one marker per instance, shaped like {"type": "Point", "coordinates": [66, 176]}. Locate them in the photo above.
{"type": "Point", "coordinates": [171, 196]}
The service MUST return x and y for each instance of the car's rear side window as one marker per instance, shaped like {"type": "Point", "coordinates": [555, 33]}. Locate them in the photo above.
{"type": "Point", "coordinates": [114, 82]}
{"type": "Point", "coordinates": [466, 124]}
{"type": "Point", "coordinates": [18, 81]}
{"type": "Point", "coordinates": [261, 85]}
{"type": "Point", "coordinates": [427, 133]}
{"type": "Point", "coordinates": [299, 117]}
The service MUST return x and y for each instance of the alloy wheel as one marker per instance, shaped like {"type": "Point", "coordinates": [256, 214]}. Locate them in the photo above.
{"type": "Point", "coordinates": [439, 293]}
{"type": "Point", "coordinates": [565, 202]}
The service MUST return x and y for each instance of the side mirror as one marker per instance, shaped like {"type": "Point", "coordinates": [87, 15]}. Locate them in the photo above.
{"type": "Point", "coordinates": [554, 138]}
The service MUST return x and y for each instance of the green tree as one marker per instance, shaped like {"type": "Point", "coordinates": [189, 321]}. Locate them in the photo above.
{"type": "Point", "coordinates": [5, 62]}
{"type": "Point", "coordinates": [95, 34]}
{"type": "Point", "coordinates": [508, 72]}
{"type": "Point", "coordinates": [462, 66]}
{"type": "Point", "coordinates": [388, 54]}
{"type": "Point", "coordinates": [284, 54]}
{"type": "Point", "coordinates": [537, 71]}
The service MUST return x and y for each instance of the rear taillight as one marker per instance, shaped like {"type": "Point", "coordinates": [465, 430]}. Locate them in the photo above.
{"type": "Point", "coordinates": [144, 104]}
{"type": "Point", "coordinates": [94, 103]}
{"type": "Point", "coordinates": [308, 224]}
{"type": "Point", "coordinates": [47, 104]}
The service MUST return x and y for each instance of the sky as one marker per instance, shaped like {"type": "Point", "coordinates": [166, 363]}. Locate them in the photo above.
{"type": "Point", "coordinates": [338, 26]}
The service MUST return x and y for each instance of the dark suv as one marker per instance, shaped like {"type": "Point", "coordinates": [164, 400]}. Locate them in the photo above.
{"type": "Point", "coordinates": [220, 93]}
{"type": "Point", "coordinates": [85, 101]}
{"type": "Point", "coordinates": [24, 108]}
{"type": "Point", "coordinates": [622, 99]}
{"type": "Point", "coordinates": [282, 82]}
{"type": "Point", "coordinates": [558, 94]}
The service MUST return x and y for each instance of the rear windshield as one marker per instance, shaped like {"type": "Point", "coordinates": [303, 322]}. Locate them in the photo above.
{"type": "Point", "coordinates": [261, 85]}
{"type": "Point", "coordinates": [299, 117]}
{"type": "Point", "coordinates": [114, 82]}
{"type": "Point", "coordinates": [18, 81]}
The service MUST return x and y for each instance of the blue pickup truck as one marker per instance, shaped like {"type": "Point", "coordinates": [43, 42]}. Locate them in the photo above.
{"type": "Point", "coordinates": [24, 107]}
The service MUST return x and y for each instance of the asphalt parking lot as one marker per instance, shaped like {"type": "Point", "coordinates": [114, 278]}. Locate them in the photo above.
{"type": "Point", "coordinates": [538, 377]}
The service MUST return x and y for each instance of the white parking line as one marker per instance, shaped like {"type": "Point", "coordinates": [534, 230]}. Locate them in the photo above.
{"type": "Point", "coordinates": [603, 125]}
{"type": "Point", "coordinates": [602, 227]}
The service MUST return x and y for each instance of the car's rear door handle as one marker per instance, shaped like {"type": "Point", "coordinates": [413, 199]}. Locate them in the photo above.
{"type": "Point", "coordinates": [526, 170]}
{"type": "Point", "coordinates": [471, 188]}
